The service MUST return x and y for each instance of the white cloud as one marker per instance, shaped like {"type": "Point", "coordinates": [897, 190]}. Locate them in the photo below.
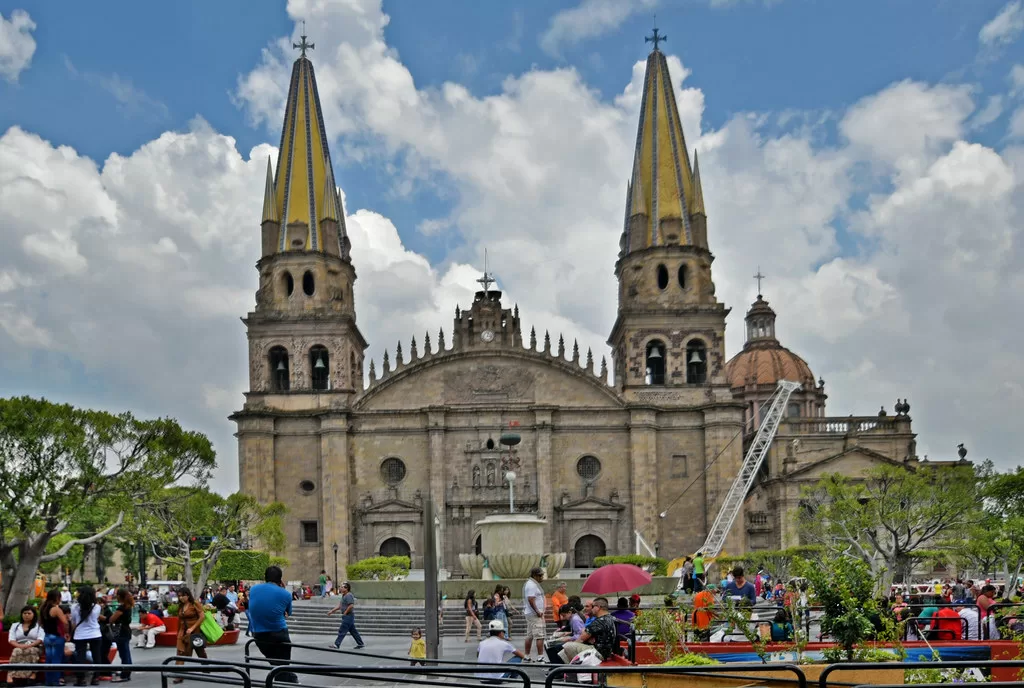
{"type": "Point", "coordinates": [989, 114]}
{"type": "Point", "coordinates": [589, 19]}
{"type": "Point", "coordinates": [168, 235]}
{"type": "Point", "coordinates": [1005, 27]}
{"type": "Point", "coordinates": [1017, 124]}
{"type": "Point", "coordinates": [1016, 78]}
{"type": "Point", "coordinates": [17, 46]}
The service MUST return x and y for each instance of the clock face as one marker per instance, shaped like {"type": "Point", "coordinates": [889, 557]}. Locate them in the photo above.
{"type": "Point", "coordinates": [487, 335]}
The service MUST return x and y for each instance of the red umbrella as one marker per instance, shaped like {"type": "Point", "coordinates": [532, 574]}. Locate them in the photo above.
{"type": "Point", "coordinates": [616, 578]}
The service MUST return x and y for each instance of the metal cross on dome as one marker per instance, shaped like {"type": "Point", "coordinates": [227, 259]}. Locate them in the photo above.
{"type": "Point", "coordinates": [759, 277]}
{"type": "Point", "coordinates": [304, 45]}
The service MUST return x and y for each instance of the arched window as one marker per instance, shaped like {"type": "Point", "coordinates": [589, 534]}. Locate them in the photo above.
{"type": "Point", "coordinates": [588, 548]}
{"type": "Point", "coordinates": [280, 379]}
{"type": "Point", "coordinates": [287, 283]}
{"type": "Point", "coordinates": [655, 374]}
{"type": "Point", "coordinates": [793, 410]}
{"type": "Point", "coordinates": [682, 277]}
{"type": "Point", "coordinates": [696, 363]}
{"type": "Point", "coordinates": [662, 277]}
{"type": "Point", "coordinates": [320, 365]}
{"type": "Point", "coordinates": [308, 285]}
{"type": "Point", "coordinates": [395, 547]}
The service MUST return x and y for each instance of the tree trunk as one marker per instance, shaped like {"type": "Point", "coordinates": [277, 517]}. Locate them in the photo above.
{"type": "Point", "coordinates": [207, 568]}
{"type": "Point", "coordinates": [1011, 583]}
{"type": "Point", "coordinates": [24, 578]}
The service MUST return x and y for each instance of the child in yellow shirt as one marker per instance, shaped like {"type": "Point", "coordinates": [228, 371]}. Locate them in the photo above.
{"type": "Point", "coordinates": [418, 648]}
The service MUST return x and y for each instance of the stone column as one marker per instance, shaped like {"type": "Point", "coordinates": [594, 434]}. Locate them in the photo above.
{"type": "Point", "coordinates": [643, 446]}
{"type": "Point", "coordinates": [436, 429]}
{"type": "Point", "coordinates": [335, 492]}
{"type": "Point", "coordinates": [544, 482]}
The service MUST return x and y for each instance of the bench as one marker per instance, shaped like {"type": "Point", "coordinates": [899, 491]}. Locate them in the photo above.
{"type": "Point", "coordinates": [169, 638]}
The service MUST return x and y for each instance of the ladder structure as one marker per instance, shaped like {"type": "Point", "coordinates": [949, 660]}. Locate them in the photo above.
{"type": "Point", "coordinates": [751, 465]}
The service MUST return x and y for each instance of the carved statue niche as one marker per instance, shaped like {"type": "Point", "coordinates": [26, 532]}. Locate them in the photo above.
{"type": "Point", "coordinates": [490, 475]}
{"type": "Point", "coordinates": [476, 476]}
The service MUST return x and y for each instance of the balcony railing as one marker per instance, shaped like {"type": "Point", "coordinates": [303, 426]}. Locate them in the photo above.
{"type": "Point", "coordinates": [840, 426]}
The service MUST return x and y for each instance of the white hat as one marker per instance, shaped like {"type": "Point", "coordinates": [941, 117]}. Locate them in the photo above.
{"type": "Point", "coordinates": [495, 626]}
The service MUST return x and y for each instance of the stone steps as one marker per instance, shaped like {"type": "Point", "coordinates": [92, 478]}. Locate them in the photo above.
{"type": "Point", "coordinates": [380, 620]}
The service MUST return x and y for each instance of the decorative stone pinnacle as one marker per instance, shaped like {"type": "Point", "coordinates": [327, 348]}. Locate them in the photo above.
{"type": "Point", "coordinates": [561, 347]}
{"type": "Point", "coordinates": [533, 338]}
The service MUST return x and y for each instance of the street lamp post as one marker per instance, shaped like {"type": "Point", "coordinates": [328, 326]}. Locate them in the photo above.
{"type": "Point", "coordinates": [335, 548]}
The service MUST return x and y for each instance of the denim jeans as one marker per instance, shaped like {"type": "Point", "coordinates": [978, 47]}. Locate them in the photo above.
{"type": "Point", "coordinates": [53, 646]}
{"type": "Point", "coordinates": [124, 653]}
{"type": "Point", "coordinates": [348, 625]}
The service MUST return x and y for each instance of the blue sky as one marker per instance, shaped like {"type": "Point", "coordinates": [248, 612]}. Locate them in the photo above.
{"type": "Point", "coordinates": [867, 155]}
{"type": "Point", "coordinates": [184, 59]}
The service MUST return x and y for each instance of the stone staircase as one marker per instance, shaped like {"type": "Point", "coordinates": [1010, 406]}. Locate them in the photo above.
{"type": "Point", "coordinates": [310, 617]}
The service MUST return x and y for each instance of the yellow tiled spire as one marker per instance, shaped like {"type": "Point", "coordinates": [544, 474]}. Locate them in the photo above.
{"type": "Point", "coordinates": [330, 209]}
{"type": "Point", "coordinates": [663, 186]}
{"type": "Point", "coordinates": [269, 206]}
{"type": "Point", "coordinates": [304, 172]}
{"type": "Point", "coordinates": [697, 204]}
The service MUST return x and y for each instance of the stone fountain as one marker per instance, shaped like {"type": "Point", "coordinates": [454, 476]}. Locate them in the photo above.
{"type": "Point", "coordinates": [511, 544]}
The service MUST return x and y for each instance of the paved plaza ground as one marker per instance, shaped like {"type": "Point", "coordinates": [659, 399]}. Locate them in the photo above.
{"type": "Point", "coordinates": [395, 649]}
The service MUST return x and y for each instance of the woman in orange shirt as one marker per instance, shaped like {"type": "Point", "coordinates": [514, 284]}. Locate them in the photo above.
{"type": "Point", "coordinates": [558, 598]}
{"type": "Point", "coordinates": [703, 601]}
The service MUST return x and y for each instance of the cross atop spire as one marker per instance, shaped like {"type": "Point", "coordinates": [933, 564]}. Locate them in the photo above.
{"type": "Point", "coordinates": [304, 45]}
{"type": "Point", "coordinates": [486, 281]}
{"type": "Point", "coordinates": [655, 38]}
{"type": "Point", "coordinates": [759, 277]}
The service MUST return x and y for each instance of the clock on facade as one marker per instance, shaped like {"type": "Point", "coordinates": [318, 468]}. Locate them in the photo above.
{"type": "Point", "coordinates": [487, 336]}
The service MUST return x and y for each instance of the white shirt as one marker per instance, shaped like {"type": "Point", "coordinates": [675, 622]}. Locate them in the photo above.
{"type": "Point", "coordinates": [493, 651]}
{"type": "Point", "coordinates": [18, 635]}
{"type": "Point", "coordinates": [533, 589]}
{"type": "Point", "coordinates": [86, 629]}
{"type": "Point", "coordinates": [65, 597]}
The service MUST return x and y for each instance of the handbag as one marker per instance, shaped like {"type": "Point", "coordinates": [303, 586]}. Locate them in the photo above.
{"type": "Point", "coordinates": [210, 629]}
{"type": "Point", "coordinates": [198, 641]}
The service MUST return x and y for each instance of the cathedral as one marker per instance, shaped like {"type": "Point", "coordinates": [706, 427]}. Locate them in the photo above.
{"type": "Point", "coordinates": [645, 447]}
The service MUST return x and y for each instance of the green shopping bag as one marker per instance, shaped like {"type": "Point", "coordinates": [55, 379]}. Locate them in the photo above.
{"type": "Point", "coordinates": [210, 629]}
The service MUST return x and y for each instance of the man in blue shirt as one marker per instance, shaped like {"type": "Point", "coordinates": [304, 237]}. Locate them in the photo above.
{"type": "Point", "coordinates": [269, 606]}
{"type": "Point", "coordinates": [739, 590]}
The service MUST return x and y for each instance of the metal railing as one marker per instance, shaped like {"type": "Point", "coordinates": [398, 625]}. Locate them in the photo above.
{"type": "Point", "coordinates": [403, 674]}
{"type": "Point", "coordinates": [192, 673]}
{"type": "Point", "coordinates": [720, 670]}
{"type": "Point", "coordinates": [883, 666]}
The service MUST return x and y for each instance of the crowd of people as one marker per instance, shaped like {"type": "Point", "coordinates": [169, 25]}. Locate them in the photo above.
{"type": "Point", "coordinates": [84, 627]}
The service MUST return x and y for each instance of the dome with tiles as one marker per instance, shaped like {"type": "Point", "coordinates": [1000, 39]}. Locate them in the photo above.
{"type": "Point", "coordinates": [763, 360]}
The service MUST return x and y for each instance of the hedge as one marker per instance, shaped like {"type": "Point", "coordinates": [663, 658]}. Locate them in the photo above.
{"type": "Point", "coordinates": [660, 566]}
{"type": "Point", "coordinates": [240, 564]}
{"type": "Point", "coordinates": [379, 568]}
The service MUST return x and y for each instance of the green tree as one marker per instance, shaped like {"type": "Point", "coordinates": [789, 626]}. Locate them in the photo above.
{"type": "Point", "coordinates": [61, 462]}
{"type": "Point", "coordinates": [844, 586]}
{"type": "Point", "coordinates": [190, 527]}
{"type": "Point", "coordinates": [1004, 506]}
{"type": "Point", "coordinates": [892, 516]}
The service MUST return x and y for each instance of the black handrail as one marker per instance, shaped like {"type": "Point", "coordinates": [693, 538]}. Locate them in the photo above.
{"type": "Point", "coordinates": [373, 672]}
{"type": "Point", "coordinates": [881, 666]}
{"type": "Point", "coordinates": [185, 671]}
{"type": "Point", "coordinates": [801, 678]}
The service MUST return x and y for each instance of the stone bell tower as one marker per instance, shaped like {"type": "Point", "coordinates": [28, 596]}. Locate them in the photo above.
{"type": "Point", "coordinates": [668, 341]}
{"type": "Point", "coordinates": [305, 350]}
{"type": "Point", "coordinates": [670, 330]}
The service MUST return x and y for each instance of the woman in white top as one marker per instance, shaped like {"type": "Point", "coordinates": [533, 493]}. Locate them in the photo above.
{"type": "Point", "coordinates": [27, 640]}
{"type": "Point", "coordinates": [85, 622]}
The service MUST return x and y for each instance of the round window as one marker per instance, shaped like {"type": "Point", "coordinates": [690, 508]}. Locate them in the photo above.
{"type": "Point", "coordinates": [307, 486]}
{"type": "Point", "coordinates": [588, 468]}
{"type": "Point", "coordinates": [392, 471]}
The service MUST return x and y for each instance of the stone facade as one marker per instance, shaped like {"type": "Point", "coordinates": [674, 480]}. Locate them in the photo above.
{"type": "Point", "coordinates": [647, 448]}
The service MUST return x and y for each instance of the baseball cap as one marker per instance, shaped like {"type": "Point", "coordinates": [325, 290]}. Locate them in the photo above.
{"type": "Point", "coordinates": [495, 626]}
